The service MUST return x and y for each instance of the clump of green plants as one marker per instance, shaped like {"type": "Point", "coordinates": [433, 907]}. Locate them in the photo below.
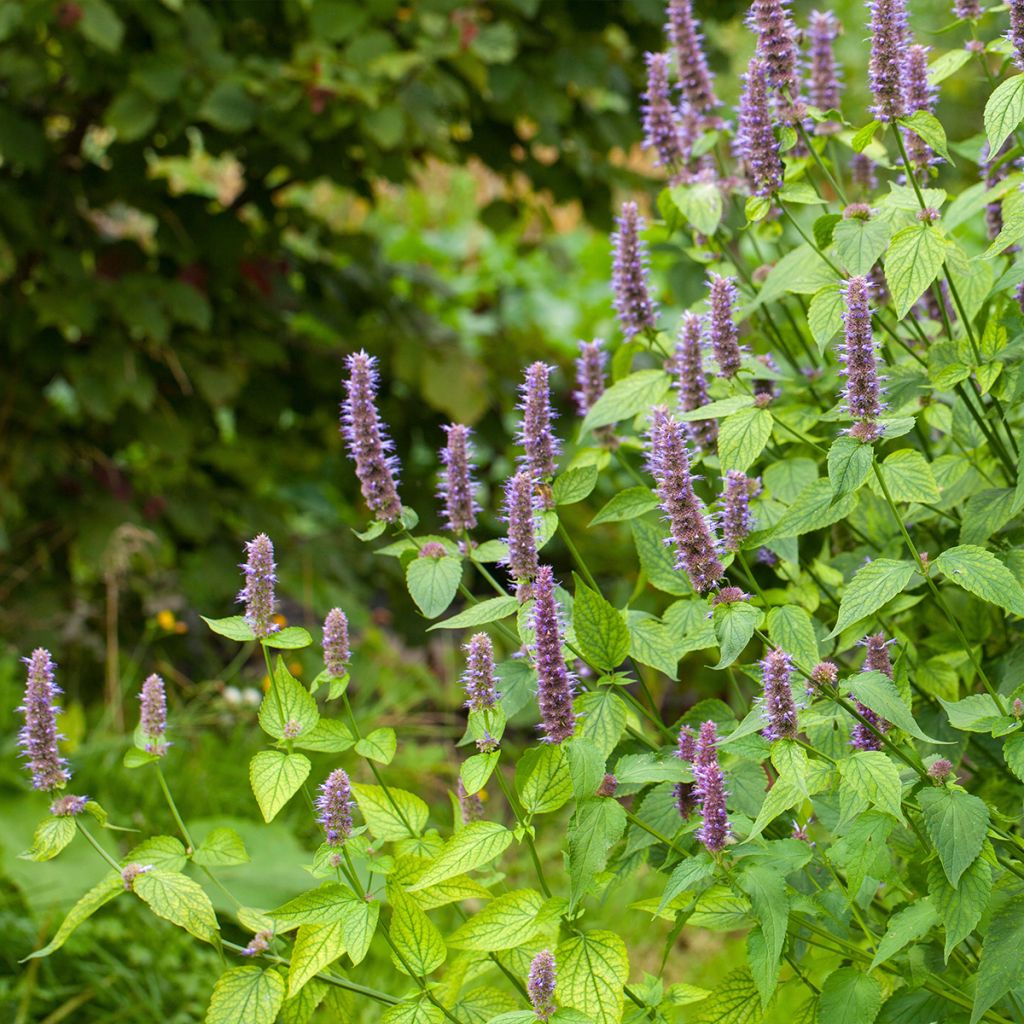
{"type": "Point", "coordinates": [819, 467]}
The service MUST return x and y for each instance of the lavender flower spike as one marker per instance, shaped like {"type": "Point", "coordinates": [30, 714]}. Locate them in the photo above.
{"type": "Point", "coordinates": [335, 643]}
{"type": "Point", "coordinates": [540, 985]}
{"type": "Point", "coordinates": [721, 325]}
{"type": "Point", "coordinates": [1016, 35]}
{"type": "Point", "coordinates": [589, 375]}
{"type": "Point", "coordinates": [258, 593]}
{"type": "Point", "coordinates": [540, 446]}
{"type": "Point", "coordinates": [153, 714]}
{"type": "Point", "coordinates": [471, 807]}
{"type": "Point", "coordinates": [335, 806]}
{"type": "Point", "coordinates": [478, 679]}
{"type": "Point", "coordinates": [862, 170]}
{"type": "Point", "coordinates": [38, 737]}
{"type": "Point", "coordinates": [710, 789]}
{"type": "Point", "coordinates": [661, 126]}
{"type": "Point", "coordinates": [919, 94]}
{"type": "Point", "coordinates": [695, 79]}
{"type": "Point", "coordinates": [633, 304]}
{"type": "Point", "coordinates": [686, 750]}
{"type": "Point", "coordinates": [776, 42]}
{"type": "Point", "coordinates": [877, 660]}
{"type": "Point", "coordinates": [688, 367]}
{"type": "Point", "coordinates": [521, 509]}
{"type": "Point", "coordinates": [863, 390]}
{"type": "Point", "coordinates": [825, 86]}
{"type": "Point", "coordinates": [456, 490]}
{"type": "Point", "coordinates": [366, 437]}
{"type": "Point", "coordinates": [889, 38]}
{"type": "Point", "coordinates": [778, 707]}
{"type": "Point", "coordinates": [755, 135]}
{"type": "Point", "coordinates": [554, 681]}
{"type": "Point", "coordinates": [669, 463]}
{"type": "Point", "coordinates": [967, 9]}
{"type": "Point", "coordinates": [737, 521]}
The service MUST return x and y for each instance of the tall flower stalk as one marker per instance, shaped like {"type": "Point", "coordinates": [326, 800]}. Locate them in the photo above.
{"type": "Point", "coordinates": [709, 781]}
{"type": "Point", "coordinates": [687, 366]}
{"type": "Point", "coordinates": [630, 274]}
{"type": "Point", "coordinates": [755, 142]}
{"type": "Point", "coordinates": [554, 680]}
{"type": "Point", "coordinates": [456, 490]}
{"type": "Point", "coordinates": [39, 735]}
{"type": "Point", "coordinates": [540, 446]}
{"type": "Point", "coordinates": [260, 580]}
{"type": "Point", "coordinates": [695, 80]}
{"type": "Point", "coordinates": [863, 391]}
{"type": "Point", "coordinates": [889, 40]}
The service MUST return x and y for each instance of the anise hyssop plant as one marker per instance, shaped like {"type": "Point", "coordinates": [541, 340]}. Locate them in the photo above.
{"type": "Point", "coordinates": [819, 465]}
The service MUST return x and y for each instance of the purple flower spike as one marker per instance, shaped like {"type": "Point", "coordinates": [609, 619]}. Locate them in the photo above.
{"type": "Point", "coordinates": [687, 365]}
{"type": "Point", "coordinates": [521, 515]}
{"type": "Point", "coordinates": [778, 708]}
{"type": "Point", "coordinates": [478, 679]}
{"type": "Point", "coordinates": [540, 446]}
{"type": "Point", "coordinates": [554, 681]}
{"type": "Point", "coordinates": [776, 42]}
{"type": "Point", "coordinates": [661, 125]}
{"type": "Point", "coordinates": [737, 521]}
{"type": "Point", "coordinates": [755, 136]}
{"type": "Point", "coordinates": [335, 643]}
{"type": "Point", "coordinates": [967, 9]}
{"type": "Point", "coordinates": [877, 660]}
{"type": "Point", "coordinates": [940, 769]}
{"type": "Point", "coordinates": [889, 39]}
{"type": "Point", "coordinates": [710, 790]}
{"type": "Point", "coordinates": [153, 714]}
{"type": "Point", "coordinates": [589, 375]}
{"type": "Point", "coordinates": [695, 81]}
{"type": "Point", "coordinates": [633, 304]}
{"type": "Point", "coordinates": [456, 490]}
{"type": "Point", "coordinates": [540, 985]}
{"type": "Point", "coordinates": [335, 806]}
{"type": "Point", "coordinates": [68, 806]}
{"type": "Point", "coordinates": [862, 170]}
{"type": "Point", "coordinates": [471, 807]}
{"type": "Point", "coordinates": [919, 94]}
{"type": "Point", "coordinates": [258, 593]}
{"type": "Point", "coordinates": [994, 172]}
{"type": "Point", "coordinates": [1016, 35]}
{"type": "Point", "coordinates": [38, 737]}
{"type": "Point", "coordinates": [722, 326]}
{"type": "Point", "coordinates": [824, 86]}
{"type": "Point", "coordinates": [863, 390]}
{"type": "Point", "coordinates": [686, 745]}
{"type": "Point", "coordinates": [369, 446]}
{"type": "Point", "coordinates": [669, 463]}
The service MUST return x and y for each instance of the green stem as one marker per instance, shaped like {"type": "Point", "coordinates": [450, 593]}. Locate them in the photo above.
{"type": "Point", "coordinates": [526, 830]}
{"type": "Point", "coordinates": [96, 846]}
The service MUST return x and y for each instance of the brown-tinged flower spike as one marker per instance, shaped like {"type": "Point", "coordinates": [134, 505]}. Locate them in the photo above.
{"type": "Point", "coordinates": [940, 769]}
{"type": "Point", "coordinates": [633, 304]}
{"type": "Point", "coordinates": [335, 643]}
{"type": "Point", "coordinates": [258, 593]}
{"type": "Point", "coordinates": [68, 806]}
{"type": "Point", "coordinates": [919, 94]}
{"type": "Point", "coordinates": [776, 41]}
{"type": "Point", "coordinates": [695, 81]}
{"type": "Point", "coordinates": [132, 871]}
{"type": "Point", "coordinates": [824, 86]}
{"type": "Point", "coordinates": [478, 680]}
{"type": "Point", "coordinates": [863, 391]}
{"type": "Point", "coordinates": [710, 789]}
{"type": "Point", "coordinates": [609, 784]}
{"type": "Point", "coordinates": [889, 38]}
{"type": "Point", "coordinates": [554, 680]}
{"type": "Point", "coordinates": [968, 9]}
{"type": "Point", "coordinates": [153, 714]}
{"type": "Point", "coordinates": [877, 660]}
{"type": "Point", "coordinates": [755, 142]}
{"type": "Point", "coordinates": [862, 171]}
{"type": "Point", "coordinates": [778, 707]}
{"type": "Point", "coordinates": [1016, 35]}
{"type": "Point", "coordinates": [722, 328]}
{"type": "Point", "coordinates": [258, 944]}
{"type": "Point", "coordinates": [686, 750]}
{"type": "Point", "coordinates": [471, 807]}
{"type": "Point", "coordinates": [661, 120]}
{"type": "Point", "coordinates": [540, 446]}
{"type": "Point", "coordinates": [825, 675]}
{"type": "Point", "coordinates": [335, 806]}
{"type": "Point", "coordinates": [589, 375]}
{"type": "Point", "coordinates": [522, 517]}
{"type": "Point", "coordinates": [669, 463]}
{"type": "Point", "coordinates": [39, 735]}
{"type": "Point", "coordinates": [368, 443]}
{"type": "Point", "coordinates": [540, 985]}
{"type": "Point", "coordinates": [456, 490]}
{"type": "Point", "coordinates": [687, 366]}
{"type": "Point", "coordinates": [737, 522]}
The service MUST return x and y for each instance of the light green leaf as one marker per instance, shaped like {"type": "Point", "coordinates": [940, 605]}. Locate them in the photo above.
{"type": "Point", "coordinates": [292, 638]}
{"type": "Point", "coordinates": [1004, 111]}
{"type": "Point", "coordinates": [734, 1001]}
{"type": "Point", "coordinates": [734, 626]}
{"type": "Point", "coordinates": [814, 509]}
{"type": "Point", "coordinates": [824, 315]}
{"type": "Point", "coordinates": [328, 736]}
{"type": "Point", "coordinates": [849, 997]}
{"type": "Point", "coordinates": [957, 823]}
{"type": "Point", "coordinates": [163, 852]}
{"type": "Point", "coordinates": [878, 692]}
{"type": "Point", "coordinates": [849, 462]}
{"type": "Point", "coordinates": [791, 628]}
{"type": "Point", "coordinates": [656, 558]}
{"type": "Point", "coordinates": [491, 610]}
{"type": "Point", "coordinates": [871, 587]}
{"type": "Point", "coordinates": [960, 906]}
{"type": "Point", "coordinates": [415, 936]}
{"type": "Point", "coordinates": [860, 244]}
{"type": "Point", "coordinates": [476, 844]}
{"type": "Point", "coordinates": [863, 137]}
{"type": "Point", "coordinates": [786, 793]}
{"type": "Point", "coordinates": [627, 504]}
{"type": "Point", "coordinates": [869, 778]}
{"type": "Point", "coordinates": [592, 970]}
{"type": "Point", "coordinates": [980, 573]}
{"type": "Point", "coordinates": [275, 778]}
{"type": "Point", "coordinates": [928, 128]}
{"type": "Point", "coordinates": [700, 204]}
{"type": "Point", "coordinates": [862, 850]}
{"type": "Point", "coordinates": [358, 923]}
{"type": "Point", "coordinates": [107, 889]}
{"type": "Point", "coordinates": [234, 627]}
{"type": "Point", "coordinates": [176, 898]}
{"type": "Point", "coordinates": [601, 631]}
{"type": "Point", "coordinates": [433, 583]}
{"type": "Point", "coordinates": [946, 64]}
{"type": "Point", "coordinates": [506, 922]}
{"type": "Point", "coordinates": [908, 475]}
{"type": "Point", "coordinates": [379, 745]}
{"type": "Point", "coordinates": [322, 905]}
{"type": "Point", "coordinates": [801, 271]}
{"type": "Point", "coordinates": [742, 437]}
{"type": "Point", "coordinates": [574, 485]}
{"type": "Point", "coordinates": [316, 946]}
{"type": "Point", "coordinates": [626, 397]}
{"type": "Point", "coordinates": [1012, 230]}
{"type": "Point", "coordinates": [52, 834]}
{"type": "Point", "coordinates": [912, 261]}
{"type": "Point", "coordinates": [476, 770]}
{"type": "Point", "coordinates": [766, 888]}
{"type": "Point", "coordinates": [595, 827]}
{"type": "Point", "coordinates": [1013, 754]}
{"type": "Point", "coordinates": [1000, 969]}
{"type": "Point", "coordinates": [223, 847]}
{"type": "Point", "coordinates": [543, 779]}
{"type": "Point", "coordinates": [976, 713]}
{"type": "Point", "coordinates": [717, 410]}
{"type": "Point", "coordinates": [404, 820]}
{"type": "Point", "coordinates": [910, 924]}
{"type": "Point", "coordinates": [246, 995]}
{"type": "Point", "coordinates": [604, 718]}
{"type": "Point", "coordinates": [288, 709]}
{"type": "Point", "coordinates": [417, 1011]}
{"type": "Point", "coordinates": [686, 875]}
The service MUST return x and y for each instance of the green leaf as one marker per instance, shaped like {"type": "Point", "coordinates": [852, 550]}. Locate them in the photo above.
{"type": "Point", "coordinates": [947, 64]}
{"type": "Point", "coordinates": [872, 586]}
{"type": "Point", "coordinates": [792, 629]}
{"type": "Point", "coordinates": [491, 610]}
{"type": "Point", "coordinates": [379, 745]}
{"type": "Point", "coordinates": [358, 923]}
{"type": "Point", "coordinates": [626, 397]}
{"type": "Point", "coordinates": [908, 475]}
{"type": "Point", "coordinates": [700, 204]}
{"type": "Point", "coordinates": [1012, 230]}
{"type": "Point", "coordinates": [294, 638]}
{"type": "Point", "coordinates": [476, 770]}
{"type": "Point", "coordinates": [1004, 112]}
{"type": "Point", "coordinates": [433, 583]}
{"type": "Point", "coordinates": [960, 906]}
{"type": "Point", "coordinates": [176, 898]}
{"type": "Point", "coordinates": [912, 261]}
{"type": "Point", "coordinates": [595, 827]}
{"type": "Point", "coordinates": [1013, 754]}
{"type": "Point", "coordinates": [107, 889]}
{"type": "Point", "coordinates": [246, 995]}
{"type": "Point", "coordinates": [52, 834]}
{"type": "Point", "coordinates": [1000, 969]}
{"type": "Point", "coordinates": [601, 631]}
{"type": "Point", "coordinates": [814, 509]}
{"type": "Point", "coordinates": [506, 922]}
{"type": "Point", "coordinates": [288, 710]}
{"type": "Point", "coordinates": [474, 845]}
{"type": "Point", "coordinates": [328, 736]}
{"type": "Point", "coordinates": [234, 627]}
{"type": "Point", "coordinates": [862, 139]}
{"type": "Point", "coordinates": [604, 718]}
{"type": "Point", "coordinates": [860, 244]}
{"type": "Point", "coordinates": [756, 208]}
{"type": "Point", "coordinates": [979, 572]}
{"type": "Point", "coordinates": [976, 713]}
{"type": "Point", "coordinates": [415, 936]}
{"type": "Point", "coordinates": [316, 947]}
{"type": "Point", "coordinates": [135, 758]}
{"type": "Point", "coordinates": [785, 794]}
{"type": "Point", "coordinates": [849, 996]}
{"type": "Point", "coordinates": [627, 504]}
{"type": "Point", "coordinates": [162, 852]}
{"type": "Point", "coordinates": [862, 850]}
{"type": "Point", "coordinates": [869, 778]}
{"type": "Point", "coordinates": [717, 410]}
{"type": "Point", "coordinates": [656, 559]}
{"type": "Point", "coordinates": [766, 888]}
{"type": "Point", "coordinates": [849, 463]}
{"type": "Point", "coordinates": [742, 437]}
{"type": "Point", "coordinates": [825, 315]}
{"type": "Point", "coordinates": [910, 924]}
{"type": "Point", "coordinates": [543, 779]}
{"type": "Point", "coordinates": [688, 874]}
{"type": "Point", "coordinates": [222, 848]}
{"type": "Point", "coordinates": [928, 128]}
{"type": "Point", "coordinates": [322, 905]}
{"type": "Point", "coordinates": [734, 626]}
{"type": "Point", "coordinates": [275, 778]}
{"type": "Point", "coordinates": [957, 824]}
{"type": "Point", "coordinates": [592, 970]}
{"type": "Point", "coordinates": [574, 485]}
{"type": "Point", "coordinates": [878, 692]}
{"type": "Point", "coordinates": [405, 819]}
